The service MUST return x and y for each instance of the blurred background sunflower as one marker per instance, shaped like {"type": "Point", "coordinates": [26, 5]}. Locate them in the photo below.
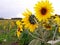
{"type": "Point", "coordinates": [19, 28]}
{"type": "Point", "coordinates": [57, 19]}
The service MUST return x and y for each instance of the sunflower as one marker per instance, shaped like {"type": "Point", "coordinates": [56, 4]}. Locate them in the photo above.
{"type": "Point", "coordinates": [19, 29]}
{"type": "Point", "coordinates": [57, 20]}
{"type": "Point", "coordinates": [43, 10]}
{"type": "Point", "coordinates": [29, 21]}
{"type": "Point", "coordinates": [47, 26]}
{"type": "Point", "coordinates": [18, 23]}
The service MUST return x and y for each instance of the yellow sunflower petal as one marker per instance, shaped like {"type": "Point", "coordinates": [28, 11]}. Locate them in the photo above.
{"type": "Point", "coordinates": [18, 22]}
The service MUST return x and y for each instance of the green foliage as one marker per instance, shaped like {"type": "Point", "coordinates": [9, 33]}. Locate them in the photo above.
{"type": "Point", "coordinates": [39, 37]}
{"type": "Point", "coordinates": [25, 38]}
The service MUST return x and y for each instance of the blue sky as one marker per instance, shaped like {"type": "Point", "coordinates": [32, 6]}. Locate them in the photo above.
{"type": "Point", "coordinates": [15, 8]}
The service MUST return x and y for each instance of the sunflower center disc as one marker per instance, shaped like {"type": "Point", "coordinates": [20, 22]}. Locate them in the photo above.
{"type": "Point", "coordinates": [47, 26]}
{"type": "Point", "coordinates": [31, 19]}
{"type": "Point", "coordinates": [18, 29]}
{"type": "Point", "coordinates": [43, 11]}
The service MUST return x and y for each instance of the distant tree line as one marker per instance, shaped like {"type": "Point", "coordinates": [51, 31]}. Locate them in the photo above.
{"type": "Point", "coordinates": [11, 19]}
{"type": "Point", "coordinates": [1, 18]}
{"type": "Point", "coordinates": [16, 18]}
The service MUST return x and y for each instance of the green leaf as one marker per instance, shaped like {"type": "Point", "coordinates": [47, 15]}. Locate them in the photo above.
{"type": "Point", "coordinates": [35, 42]}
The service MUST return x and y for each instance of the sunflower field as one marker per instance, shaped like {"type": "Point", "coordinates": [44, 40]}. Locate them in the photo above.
{"type": "Point", "coordinates": [41, 28]}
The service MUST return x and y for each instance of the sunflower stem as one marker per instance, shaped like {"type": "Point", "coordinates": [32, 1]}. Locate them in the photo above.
{"type": "Point", "coordinates": [35, 36]}
{"type": "Point", "coordinates": [54, 34]}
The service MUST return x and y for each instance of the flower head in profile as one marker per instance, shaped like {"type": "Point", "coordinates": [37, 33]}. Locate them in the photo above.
{"type": "Point", "coordinates": [29, 20]}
